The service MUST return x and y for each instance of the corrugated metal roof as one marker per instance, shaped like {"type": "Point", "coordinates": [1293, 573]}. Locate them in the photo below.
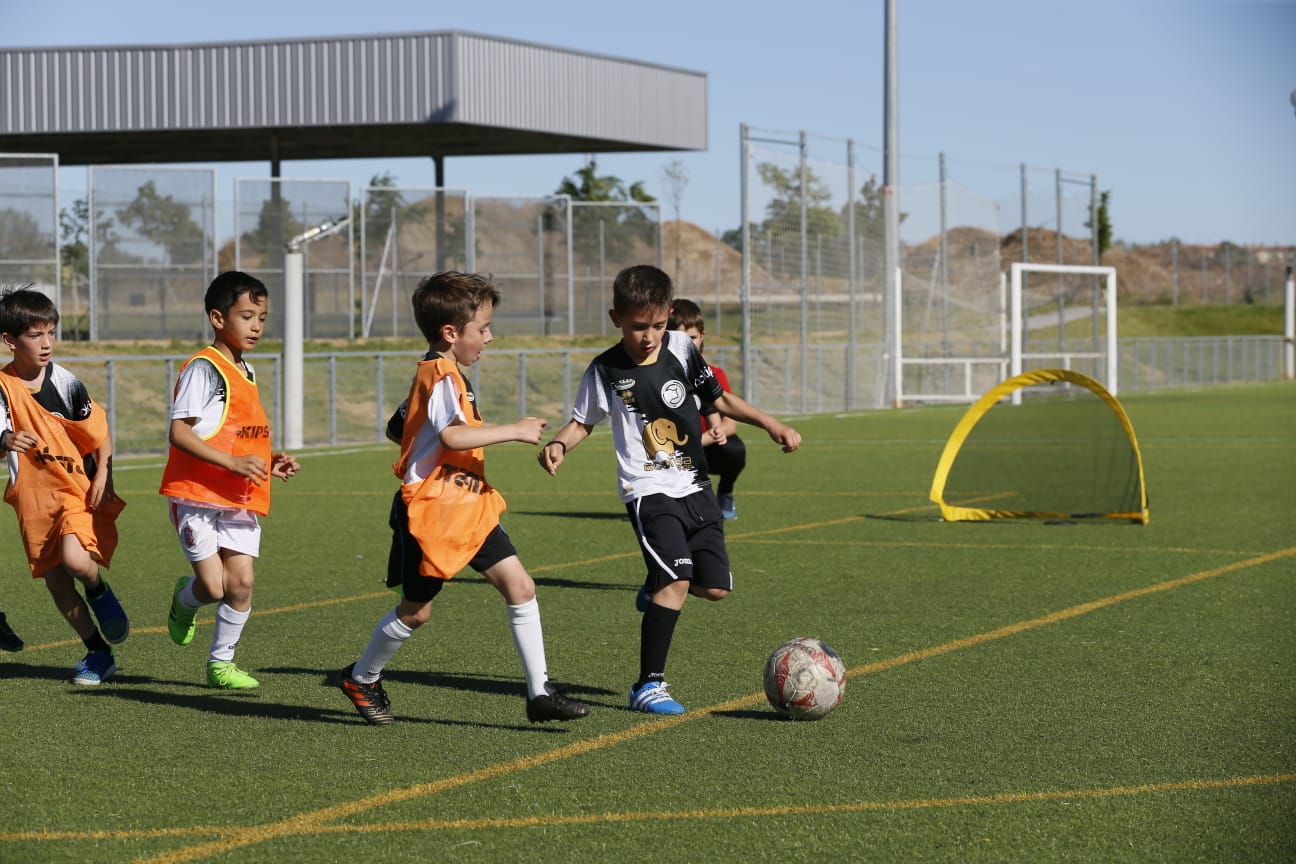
{"type": "Point", "coordinates": [400, 94]}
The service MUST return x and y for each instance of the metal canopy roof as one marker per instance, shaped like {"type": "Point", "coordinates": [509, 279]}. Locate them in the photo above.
{"type": "Point", "coordinates": [408, 94]}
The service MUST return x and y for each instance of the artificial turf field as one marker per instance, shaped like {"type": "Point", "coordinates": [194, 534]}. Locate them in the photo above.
{"type": "Point", "coordinates": [1017, 691]}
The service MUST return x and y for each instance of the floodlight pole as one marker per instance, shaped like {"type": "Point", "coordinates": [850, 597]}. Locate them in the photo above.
{"type": "Point", "coordinates": [892, 296]}
{"type": "Point", "coordinates": [294, 396]}
{"type": "Point", "coordinates": [1289, 319]}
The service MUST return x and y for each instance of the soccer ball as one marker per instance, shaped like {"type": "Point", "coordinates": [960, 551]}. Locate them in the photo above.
{"type": "Point", "coordinates": [804, 679]}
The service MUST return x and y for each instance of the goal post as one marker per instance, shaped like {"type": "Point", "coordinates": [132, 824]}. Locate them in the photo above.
{"type": "Point", "coordinates": [1069, 453]}
{"type": "Point", "coordinates": [1032, 308]}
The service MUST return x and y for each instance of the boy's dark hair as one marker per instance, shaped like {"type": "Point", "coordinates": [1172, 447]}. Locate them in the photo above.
{"type": "Point", "coordinates": [451, 298]}
{"type": "Point", "coordinates": [225, 289]}
{"type": "Point", "coordinates": [20, 308]}
{"type": "Point", "coordinates": [686, 314]}
{"type": "Point", "coordinates": [641, 286]}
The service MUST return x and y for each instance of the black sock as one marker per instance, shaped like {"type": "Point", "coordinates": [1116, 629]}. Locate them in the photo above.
{"type": "Point", "coordinates": [655, 634]}
{"type": "Point", "coordinates": [96, 643]}
{"type": "Point", "coordinates": [98, 591]}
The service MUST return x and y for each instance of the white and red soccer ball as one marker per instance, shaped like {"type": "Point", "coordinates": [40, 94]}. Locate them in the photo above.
{"type": "Point", "coordinates": [804, 679]}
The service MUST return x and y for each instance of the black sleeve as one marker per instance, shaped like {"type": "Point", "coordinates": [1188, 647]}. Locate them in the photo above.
{"type": "Point", "coordinates": [396, 422]}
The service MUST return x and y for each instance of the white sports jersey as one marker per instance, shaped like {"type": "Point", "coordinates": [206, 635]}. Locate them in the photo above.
{"type": "Point", "coordinates": [656, 428]}
{"type": "Point", "coordinates": [442, 411]}
{"type": "Point", "coordinates": [200, 393]}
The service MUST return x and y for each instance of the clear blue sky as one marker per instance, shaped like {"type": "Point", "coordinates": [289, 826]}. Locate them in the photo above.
{"type": "Point", "coordinates": [1181, 109]}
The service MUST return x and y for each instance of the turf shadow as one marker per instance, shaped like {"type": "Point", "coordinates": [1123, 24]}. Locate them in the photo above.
{"type": "Point", "coordinates": [573, 514]}
{"type": "Point", "coordinates": [10, 669]}
{"type": "Point", "coordinates": [246, 705]}
{"type": "Point", "coordinates": [243, 705]}
{"type": "Point", "coordinates": [551, 582]}
{"type": "Point", "coordinates": [489, 684]}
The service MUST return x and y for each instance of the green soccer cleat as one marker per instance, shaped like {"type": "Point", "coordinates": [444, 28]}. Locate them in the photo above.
{"type": "Point", "coordinates": [226, 676]}
{"type": "Point", "coordinates": [181, 620]}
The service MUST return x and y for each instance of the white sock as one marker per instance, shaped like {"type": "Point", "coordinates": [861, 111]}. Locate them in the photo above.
{"type": "Point", "coordinates": [187, 598]}
{"type": "Point", "coordinates": [524, 621]}
{"type": "Point", "coordinates": [229, 627]}
{"type": "Point", "coordinates": [387, 638]}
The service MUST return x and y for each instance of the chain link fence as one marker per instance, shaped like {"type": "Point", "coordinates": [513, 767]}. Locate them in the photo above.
{"type": "Point", "coordinates": [29, 250]}
{"type": "Point", "coordinates": [406, 233]}
{"type": "Point", "coordinates": [799, 285]}
{"type": "Point", "coordinates": [355, 392]}
{"type": "Point", "coordinates": [267, 214]}
{"type": "Point", "coordinates": [152, 239]}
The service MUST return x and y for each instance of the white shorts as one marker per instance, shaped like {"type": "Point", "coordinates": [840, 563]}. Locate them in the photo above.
{"type": "Point", "coordinates": [204, 531]}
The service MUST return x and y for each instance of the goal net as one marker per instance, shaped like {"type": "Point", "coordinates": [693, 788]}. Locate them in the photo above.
{"type": "Point", "coordinates": [1067, 451]}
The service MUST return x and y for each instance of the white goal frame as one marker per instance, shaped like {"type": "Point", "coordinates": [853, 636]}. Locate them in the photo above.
{"type": "Point", "coordinates": [1016, 326]}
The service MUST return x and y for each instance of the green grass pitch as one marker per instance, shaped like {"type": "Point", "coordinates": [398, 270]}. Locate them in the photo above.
{"type": "Point", "coordinates": [1017, 691]}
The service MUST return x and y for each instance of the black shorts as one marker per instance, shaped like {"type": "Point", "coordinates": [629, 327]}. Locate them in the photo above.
{"type": "Point", "coordinates": [682, 539]}
{"type": "Point", "coordinates": [405, 555]}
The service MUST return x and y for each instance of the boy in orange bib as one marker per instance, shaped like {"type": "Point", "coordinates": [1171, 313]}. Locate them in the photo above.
{"type": "Point", "coordinates": [60, 479]}
{"type": "Point", "coordinates": [446, 515]}
{"type": "Point", "coordinates": [218, 473]}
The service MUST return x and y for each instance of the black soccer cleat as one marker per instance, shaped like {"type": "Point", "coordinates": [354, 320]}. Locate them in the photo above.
{"type": "Point", "coordinates": [555, 706]}
{"type": "Point", "coordinates": [9, 640]}
{"type": "Point", "coordinates": [370, 700]}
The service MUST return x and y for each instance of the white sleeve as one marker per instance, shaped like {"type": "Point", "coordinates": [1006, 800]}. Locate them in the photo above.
{"type": "Point", "coordinates": [195, 390]}
{"type": "Point", "coordinates": [443, 405]}
{"type": "Point", "coordinates": [590, 405]}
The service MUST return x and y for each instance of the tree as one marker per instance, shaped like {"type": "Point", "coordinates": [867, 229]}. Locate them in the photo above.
{"type": "Point", "coordinates": [385, 204]}
{"type": "Point", "coordinates": [676, 176]}
{"type": "Point", "coordinates": [624, 229]}
{"type": "Point", "coordinates": [166, 222]}
{"type": "Point", "coordinates": [870, 210]}
{"type": "Point", "coordinates": [778, 236]}
{"type": "Point", "coordinates": [589, 186]}
{"type": "Point", "coordinates": [1104, 223]}
{"type": "Point", "coordinates": [275, 226]}
{"type": "Point", "coordinates": [21, 237]}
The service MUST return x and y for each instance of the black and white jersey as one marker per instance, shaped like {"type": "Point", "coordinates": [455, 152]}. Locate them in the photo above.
{"type": "Point", "coordinates": [61, 394]}
{"type": "Point", "coordinates": [656, 428]}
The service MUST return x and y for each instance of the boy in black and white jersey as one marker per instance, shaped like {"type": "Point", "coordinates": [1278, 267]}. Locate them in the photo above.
{"type": "Point", "coordinates": [645, 385]}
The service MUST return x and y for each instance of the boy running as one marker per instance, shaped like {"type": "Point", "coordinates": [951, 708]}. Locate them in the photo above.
{"type": "Point", "coordinates": [60, 480]}
{"type": "Point", "coordinates": [645, 384]}
{"type": "Point", "coordinates": [446, 516]}
{"type": "Point", "coordinates": [217, 474]}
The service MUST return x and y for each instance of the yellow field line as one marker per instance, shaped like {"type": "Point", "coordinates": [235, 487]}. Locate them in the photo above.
{"type": "Point", "coordinates": [498, 822]}
{"type": "Point", "coordinates": [814, 809]}
{"type": "Point", "coordinates": [1000, 547]}
{"type": "Point", "coordinates": [314, 821]}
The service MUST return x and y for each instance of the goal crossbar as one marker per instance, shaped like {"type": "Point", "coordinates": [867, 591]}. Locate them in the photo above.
{"type": "Point", "coordinates": [1017, 325]}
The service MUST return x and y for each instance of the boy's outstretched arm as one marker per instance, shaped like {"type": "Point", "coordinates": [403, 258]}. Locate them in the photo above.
{"type": "Point", "coordinates": [740, 409]}
{"type": "Point", "coordinates": [461, 436]}
{"type": "Point", "coordinates": [553, 453]}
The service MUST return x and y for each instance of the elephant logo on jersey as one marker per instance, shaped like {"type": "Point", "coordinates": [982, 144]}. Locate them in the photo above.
{"type": "Point", "coordinates": [661, 438]}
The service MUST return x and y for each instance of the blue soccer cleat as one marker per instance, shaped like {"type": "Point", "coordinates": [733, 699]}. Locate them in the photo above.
{"type": "Point", "coordinates": [94, 669]}
{"type": "Point", "coordinates": [652, 698]}
{"type": "Point", "coordinates": [111, 616]}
